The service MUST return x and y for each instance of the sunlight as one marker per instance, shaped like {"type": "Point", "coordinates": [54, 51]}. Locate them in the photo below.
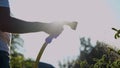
{"type": "Point", "coordinates": [95, 20]}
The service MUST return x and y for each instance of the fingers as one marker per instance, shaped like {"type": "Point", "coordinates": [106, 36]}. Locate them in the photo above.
{"type": "Point", "coordinates": [57, 31]}
{"type": "Point", "coordinates": [54, 32]}
{"type": "Point", "coordinates": [54, 29]}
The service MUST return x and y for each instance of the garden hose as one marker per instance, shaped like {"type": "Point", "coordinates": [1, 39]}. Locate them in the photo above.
{"type": "Point", "coordinates": [48, 40]}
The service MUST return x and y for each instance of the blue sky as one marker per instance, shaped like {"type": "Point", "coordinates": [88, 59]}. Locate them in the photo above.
{"type": "Point", "coordinates": [95, 20]}
{"type": "Point", "coordinates": [115, 5]}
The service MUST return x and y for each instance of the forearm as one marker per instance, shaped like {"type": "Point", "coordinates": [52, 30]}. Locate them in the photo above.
{"type": "Point", "coordinates": [19, 26]}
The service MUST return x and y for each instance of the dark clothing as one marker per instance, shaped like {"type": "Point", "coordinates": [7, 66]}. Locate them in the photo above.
{"type": "Point", "coordinates": [4, 59]}
{"type": "Point", "coordinates": [4, 56]}
{"type": "Point", "coordinates": [45, 65]}
{"type": "Point", "coordinates": [4, 15]}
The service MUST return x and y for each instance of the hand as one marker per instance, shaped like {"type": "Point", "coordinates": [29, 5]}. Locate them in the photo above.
{"type": "Point", "coordinates": [53, 29]}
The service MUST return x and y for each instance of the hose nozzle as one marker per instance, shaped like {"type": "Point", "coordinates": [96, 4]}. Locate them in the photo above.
{"type": "Point", "coordinates": [73, 25]}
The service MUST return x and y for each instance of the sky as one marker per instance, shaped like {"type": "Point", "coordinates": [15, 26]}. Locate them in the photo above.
{"type": "Point", "coordinates": [95, 19]}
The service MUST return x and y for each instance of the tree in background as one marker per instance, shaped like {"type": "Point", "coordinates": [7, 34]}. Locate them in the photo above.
{"type": "Point", "coordinates": [17, 56]}
{"type": "Point", "coordinates": [85, 48]}
{"type": "Point", "coordinates": [100, 56]}
{"type": "Point", "coordinates": [28, 63]}
{"type": "Point", "coordinates": [16, 43]}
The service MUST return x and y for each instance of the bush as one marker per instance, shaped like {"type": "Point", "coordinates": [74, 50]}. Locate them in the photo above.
{"type": "Point", "coordinates": [101, 56]}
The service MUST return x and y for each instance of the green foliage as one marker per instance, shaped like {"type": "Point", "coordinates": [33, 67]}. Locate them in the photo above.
{"type": "Point", "coordinates": [28, 63]}
{"type": "Point", "coordinates": [101, 56]}
{"type": "Point", "coordinates": [16, 44]}
{"type": "Point", "coordinates": [117, 33]}
{"type": "Point", "coordinates": [102, 63]}
{"type": "Point", "coordinates": [17, 59]}
{"type": "Point", "coordinates": [83, 64]}
{"type": "Point", "coordinates": [119, 52]}
{"type": "Point", "coordinates": [116, 64]}
{"type": "Point", "coordinates": [86, 48]}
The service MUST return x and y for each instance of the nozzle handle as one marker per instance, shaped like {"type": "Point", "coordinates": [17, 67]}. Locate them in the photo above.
{"type": "Point", "coordinates": [50, 38]}
{"type": "Point", "coordinates": [73, 25]}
